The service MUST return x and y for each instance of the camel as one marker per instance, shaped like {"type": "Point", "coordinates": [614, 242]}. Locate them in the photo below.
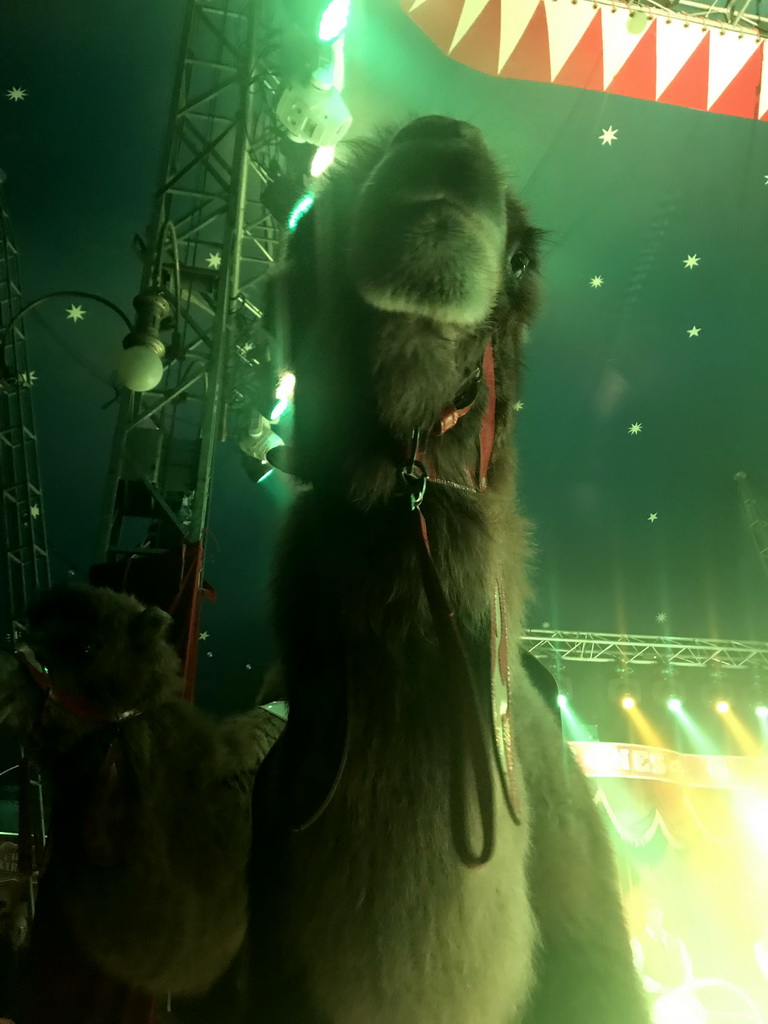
{"type": "Point", "coordinates": [420, 846]}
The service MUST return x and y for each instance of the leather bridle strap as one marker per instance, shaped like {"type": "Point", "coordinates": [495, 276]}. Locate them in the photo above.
{"type": "Point", "coordinates": [73, 703]}
{"type": "Point", "coordinates": [464, 718]}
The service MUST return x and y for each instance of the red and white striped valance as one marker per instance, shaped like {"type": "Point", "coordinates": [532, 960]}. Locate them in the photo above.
{"type": "Point", "coordinates": [583, 44]}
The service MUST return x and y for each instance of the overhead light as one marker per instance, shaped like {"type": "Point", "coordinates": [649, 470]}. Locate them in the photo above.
{"type": "Point", "coordinates": [334, 21]}
{"type": "Point", "coordinates": [723, 707]}
{"type": "Point", "coordinates": [675, 704]}
{"type": "Point", "coordinates": [140, 367]}
{"type": "Point", "coordinates": [299, 209]}
{"type": "Point", "coordinates": [314, 112]}
{"type": "Point", "coordinates": [628, 702]}
{"type": "Point", "coordinates": [322, 160]}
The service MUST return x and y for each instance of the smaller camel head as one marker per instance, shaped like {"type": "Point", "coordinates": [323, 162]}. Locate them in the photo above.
{"type": "Point", "coordinates": [95, 644]}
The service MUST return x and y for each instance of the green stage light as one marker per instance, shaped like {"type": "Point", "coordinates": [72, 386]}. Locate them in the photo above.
{"type": "Point", "coordinates": [761, 711]}
{"type": "Point", "coordinates": [304, 204]}
{"type": "Point", "coordinates": [562, 700]}
{"type": "Point", "coordinates": [675, 704]}
{"type": "Point", "coordinates": [334, 21]}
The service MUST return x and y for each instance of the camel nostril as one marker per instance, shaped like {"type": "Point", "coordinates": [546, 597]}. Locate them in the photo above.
{"type": "Point", "coordinates": [436, 128]}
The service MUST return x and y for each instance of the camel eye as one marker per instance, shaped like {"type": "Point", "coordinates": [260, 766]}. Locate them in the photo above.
{"type": "Point", "coordinates": [518, 263]}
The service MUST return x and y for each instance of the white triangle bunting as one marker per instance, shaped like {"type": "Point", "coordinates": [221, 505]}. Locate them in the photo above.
{"type": "Point", "coordinates": [674, 46]}
{"type": "Point", "coordinates": [566, 25]}
{"type": "Point", "coordinates": [763, 102]}
{"type": "Point", "coordinates": [470, 12]}
{"type": "Point", "coordinates": [515, 18]}
{"type": "Point", "coordinates": [618, 43]}
{"type": "Point", "coordinates": [728, 53]}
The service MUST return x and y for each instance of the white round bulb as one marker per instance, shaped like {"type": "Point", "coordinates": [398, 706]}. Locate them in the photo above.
{"type": "Point", "coordinates": [140, 368]}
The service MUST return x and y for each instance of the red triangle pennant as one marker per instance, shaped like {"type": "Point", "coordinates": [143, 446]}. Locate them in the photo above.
{"type": "Point", "coordinates": [479, 48]}
{"type": "Point", "coordinates": [689, 86]}
{"type": "Point", "coordinates": [530, 58]}
{"type": "Point", "coordinates": [438, 19]}
{"type": "Point", "coordinates": [637, 77]}
{"type": "Point", "coordinates": [584, 67]}
{"type": "Point", "coordinates": [742, 97]}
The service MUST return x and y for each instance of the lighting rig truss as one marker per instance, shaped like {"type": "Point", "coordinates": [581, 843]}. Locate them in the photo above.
{"type": "Point", "coordinates": [207, 252]}
{"type": "Point", "coordinates": [747, 17]}
{"type": "Point", "coordinates": [678, 652]}
{"type": "Point", "coordinates": [23, 544]}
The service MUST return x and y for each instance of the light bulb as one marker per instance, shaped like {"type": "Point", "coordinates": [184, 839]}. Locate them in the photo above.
{"type": "Point", "coordinates": [140, 368]}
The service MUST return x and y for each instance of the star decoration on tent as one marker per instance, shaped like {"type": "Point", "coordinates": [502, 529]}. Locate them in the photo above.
{"type": "Point", "coordinates": [34, 511]}
{"type": "Point", "coordinates": [661, 617]}
{"type": "Point", "coordinates": [596, 281]}
{"type": "Point", "coordinates": [766, 179]}
{"type": "Point", "coordinates": [545, 625]}
{"type": "Point", "coordinates": [214, 260]}
{"type": "Point", "coordinates": [518, 406]}
{"type": "Point", "coordinates": [75, 313]}
{"type": "Point", "coordinates": [209, 654]}
{"type": "Point", "coordinates": [691, 262]}
{"type": "Point", "coordinates": [204, 636]}
{"type": "Point", "coordinates": [635, 428]}
{"type": "Point", "coordinates": [247, 666]}
{"type": "Point", "coordinates": [694, 332]}
{"type": "Point", "coordinates": [653, 517]}
{"type": "Point", "coordinates": [27, 378]}
{"type": "Point", "coordinates": [15, 94]}
{"type": "Point", "coordinates": [608, 135]}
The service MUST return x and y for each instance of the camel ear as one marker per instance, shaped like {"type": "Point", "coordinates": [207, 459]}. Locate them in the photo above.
{"type": "Point", "coordinates": [149, 625]}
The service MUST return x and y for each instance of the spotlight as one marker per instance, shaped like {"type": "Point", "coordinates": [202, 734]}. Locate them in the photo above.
{"type": "Point", "coordinates": [627, 703]}
{"type": "Point", "coordinates": [723, 707]}
{"type": "Point", "coordinates": [761, 711]}
{"type": "Point", "coordinates": [675, 704]}
{"type": "Point", "coordinates": [299, 209]}
{"type": "Point", "coordinates": [562, 700]}
{"type": "Point", "coordinates": [315, 112]}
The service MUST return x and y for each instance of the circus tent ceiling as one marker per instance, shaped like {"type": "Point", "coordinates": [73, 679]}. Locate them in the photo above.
{"type": "Point", "coordinates": [645, 382]}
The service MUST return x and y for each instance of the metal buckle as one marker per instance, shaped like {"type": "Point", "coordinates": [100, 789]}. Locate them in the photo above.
{"type": "Point", "coordinates": [415, 477]}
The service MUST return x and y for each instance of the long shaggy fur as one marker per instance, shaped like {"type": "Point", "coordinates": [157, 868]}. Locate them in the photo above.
{"type": "Point", "coordinates": [413, 256]}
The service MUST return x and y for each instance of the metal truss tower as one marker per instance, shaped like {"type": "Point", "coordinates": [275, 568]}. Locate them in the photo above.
{"type": "Point", "coordinates": [757, 524]}
{"type": "Point", "coordinates": [207, 250]}
{"type": "Point", "coordinates": [22, 522]}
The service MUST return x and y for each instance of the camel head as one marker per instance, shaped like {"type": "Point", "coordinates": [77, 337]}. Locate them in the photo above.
{"type": "Point", "coordinates": [414, 255]}
{"type": "Point", "coordinates": [99, 651]}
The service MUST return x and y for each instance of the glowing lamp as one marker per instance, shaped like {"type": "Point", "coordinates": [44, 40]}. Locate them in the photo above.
{"type": "Point", "coordinates": [562, 700]}
{"type": "Point", "coordinates": [322, 160]}
{"type": "Point", "coordinates": [140, 367]}
{"type": "Point", "coordinates": [637, 22]}
{"type": "Point", "coordinates": [675, 704]}
{"type": "Point", "coordinates": [303, 205]}
{"type": "Point", "coordinates": [334, 21]}
{"type": "Point", "coordinates": [723, 707]}
{"type": "Point", "coordinates": [761, 711]}
{"type": "Point", "coordinates": [627, 703]}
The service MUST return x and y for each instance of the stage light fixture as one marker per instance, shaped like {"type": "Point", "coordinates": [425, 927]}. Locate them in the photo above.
{"type": "Point", "coordinates": [675, 704]}
{"type": "Point", "coordinates": [334, 21]}
{"type": "Point", "coordinates": [299, 209]}
{"type": "Point", "coordinates": [628, 702]}
{"type": "Point", "coordinates": [761, 711]}
{"type": "Point", "coordinates": [562, 700]}
{"type": "Point", "coordinates": [723, 707]}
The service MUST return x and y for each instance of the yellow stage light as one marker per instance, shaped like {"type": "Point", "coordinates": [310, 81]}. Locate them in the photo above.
{"type": "Point", "coordinates": [627, 703]}
{"type": "Point", "coordinates": [723, 707]}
